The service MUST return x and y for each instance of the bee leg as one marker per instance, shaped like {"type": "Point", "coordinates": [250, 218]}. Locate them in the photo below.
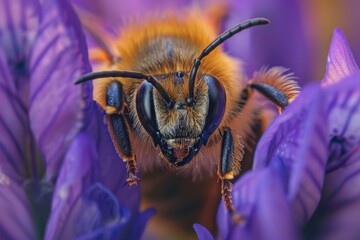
{"type": "Point", "coordinates": [227, 169]}
{"type": "Point", "coordinates": [276, 85]}
{"type": "Point", "coordinates": [272, 93]}
{"type": "Point", "coordinates": [118, 128]}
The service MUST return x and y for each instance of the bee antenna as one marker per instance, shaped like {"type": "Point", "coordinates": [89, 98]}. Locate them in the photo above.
{"type": "Point", "coordinates": [220, 39]}
{"type": "Point", "coordinates": [126, 74]}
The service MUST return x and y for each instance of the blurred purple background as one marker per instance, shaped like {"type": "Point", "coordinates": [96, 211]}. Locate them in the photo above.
{"type": "Point", "coordinates": [297, 38]}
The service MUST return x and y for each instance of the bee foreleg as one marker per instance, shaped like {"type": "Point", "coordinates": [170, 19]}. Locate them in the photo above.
{"type": "Point", "coordinates": [276, 85]}
{"type": "Point", "coordinates": [228, 167]}
{"type": "Point", "coordinates": [118, 129]}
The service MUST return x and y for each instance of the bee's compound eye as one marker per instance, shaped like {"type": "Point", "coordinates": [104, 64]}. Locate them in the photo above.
{"type": "Point", "coordinates": [146, 111]}
{"type": "Point", "coordinates": [216, 109]}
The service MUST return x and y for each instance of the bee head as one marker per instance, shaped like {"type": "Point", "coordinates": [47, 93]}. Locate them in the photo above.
{"type": "Point", "coordinates": [181, 129]}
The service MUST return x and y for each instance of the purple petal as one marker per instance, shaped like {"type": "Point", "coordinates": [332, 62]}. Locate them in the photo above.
{"type": "Point", "coordinates": [101, 196]}
{"type": "Point", "coordinates": [269, 214]}
{"type": "Point", "coordinates": [56, 105]}
{"type": "Point", "coordinates": [39, 195]}
{"type": "Point", "coordinates": [124, 229]}
{"type": "Point", "coordinates": [202, 232]}
{"type": "Point", "coordinates": [340, 61]}
{"type": "Point", "coordinates": [140, 223]}
{"type": "Point", "coordinates": [12, 127]}
{"type": "Point", "coordinates": [18, 27]}
{"type": "Point", "coordinates": [343, 113]}
{"type": "Point", "coordinates": [113, 171]}
{"type": "Point", "coordinates": [99, 215]}
{"type": "Point", "coordinates": [15, 220]}
{"type": "Point", "coordinates": [295, 146]}
{"type": "Point", "coordinates": [338, 214]}
{"type": "Point", "coordinates": [304, 144]}
{"type": "Point", "coordinates": [339, 208]}
{"type": "Point", "coordinates": [85, 208]}
{"type": "Point", "coordinates": [273, 211]}
{"type": "Point", "coordinates": [244, 196]}
{"type": "Point", "coordinates": [77, 173]}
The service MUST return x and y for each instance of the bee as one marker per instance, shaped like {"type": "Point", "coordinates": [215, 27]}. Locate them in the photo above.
{"type": "Point", "coordinates": [174, 98]}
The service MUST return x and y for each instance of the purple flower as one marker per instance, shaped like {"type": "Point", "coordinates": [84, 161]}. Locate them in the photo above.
{"type": "Point", "coordinates": [25, 187]}
{"type": "Point", "coordinates": [53, 183]}
{"type": "Point", "coordinates": [306, 165]}
{"type": "Point", "coordinates": [84, 207]}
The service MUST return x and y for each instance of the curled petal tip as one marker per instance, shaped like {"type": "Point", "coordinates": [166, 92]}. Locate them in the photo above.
{"type": "Point", "coordinates": [202, 232]}
{"type": "Point", "coordinates": [340, 62]}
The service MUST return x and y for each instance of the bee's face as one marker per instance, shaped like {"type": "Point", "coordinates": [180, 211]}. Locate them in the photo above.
{"type": "Point", "coordinates": [180, 130]}
{"type": "Point", "coordinates": [182, 125]}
